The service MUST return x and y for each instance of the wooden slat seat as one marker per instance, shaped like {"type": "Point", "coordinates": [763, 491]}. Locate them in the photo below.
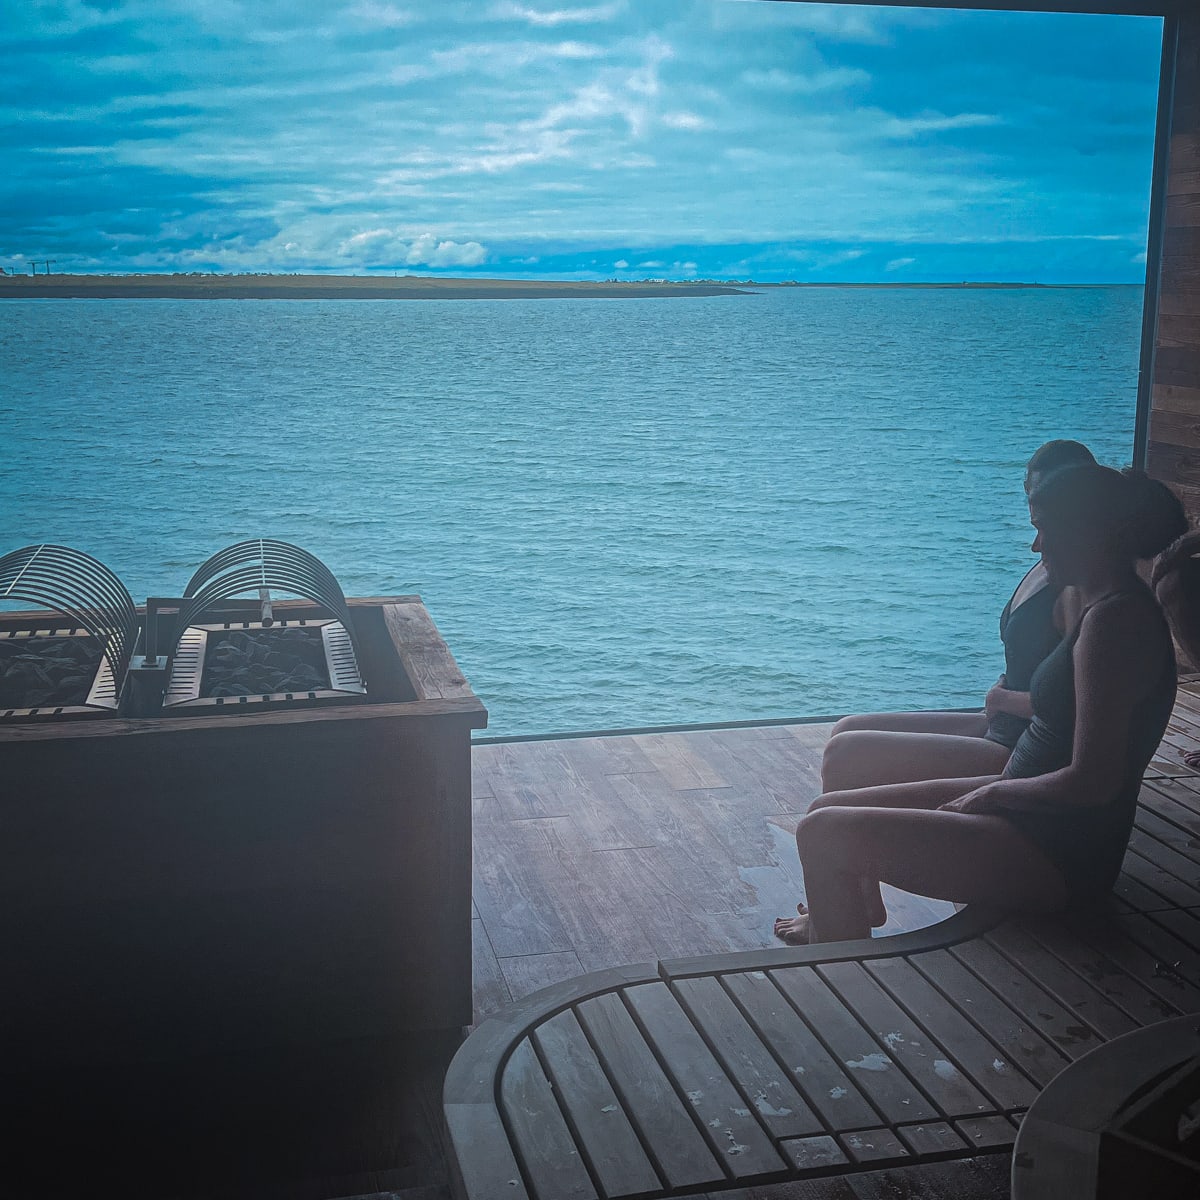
{"type": "Point", "coordinates": [723, 1071]}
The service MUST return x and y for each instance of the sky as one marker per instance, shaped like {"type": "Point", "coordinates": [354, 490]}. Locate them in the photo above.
{"type": "Point", "coordinates": [576, 139]}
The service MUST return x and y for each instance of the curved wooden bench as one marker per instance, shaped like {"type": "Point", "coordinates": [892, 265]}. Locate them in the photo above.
{"type": "Point", "coordinates": [722, 1071]}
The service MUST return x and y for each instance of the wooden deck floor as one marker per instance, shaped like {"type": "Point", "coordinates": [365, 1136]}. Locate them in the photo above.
{"type": "Point", "coordinates": [595, 852]}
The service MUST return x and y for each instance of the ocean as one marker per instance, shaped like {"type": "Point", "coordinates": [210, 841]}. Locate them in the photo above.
{"type": "Point", "coordinates": [620, 513]}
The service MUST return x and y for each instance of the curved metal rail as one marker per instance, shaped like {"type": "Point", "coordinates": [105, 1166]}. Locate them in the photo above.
{"type": "Point", "coordinates": [80, 587]}
{"type": "Point", "coordinates": [262, 563]}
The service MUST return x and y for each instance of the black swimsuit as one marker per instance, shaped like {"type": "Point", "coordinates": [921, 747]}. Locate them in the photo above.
{"type": "Point", "coordinates": [1029, 635]}
{"type": "Point", "coordinates": [1087, 844]}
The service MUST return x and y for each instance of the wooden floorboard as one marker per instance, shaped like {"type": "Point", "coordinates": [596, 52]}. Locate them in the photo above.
{"type": "Point", "coordinates": [639, 847]}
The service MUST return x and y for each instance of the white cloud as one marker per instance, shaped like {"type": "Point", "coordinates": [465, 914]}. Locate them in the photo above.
{"type": "Point", "coordinates": [429, 252]}
{"type": "Point", "coordinates": [621, 265]}
{"type": "Point", "coordinates": [683, 120]}
{"type": "Point", "coordinates": [897, 263]}
{"type": "Point", "coordinates": [779, 80]}
{"type": "Point", "coordinates": [932, 122]}
{"type": "Point", "coordinates": [510, 11]}
{"type": "Point", "coordinates": [387, 246]}
{"type": "Point", "coordinates": [381, 16]}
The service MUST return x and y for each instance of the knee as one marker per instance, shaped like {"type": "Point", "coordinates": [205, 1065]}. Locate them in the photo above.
{"type": "Point", "coordinates": [846, 798]}
{"type": "Point", "coordinates": [819, 830]}
{"type": "Point", "coordinates": [836, 760]}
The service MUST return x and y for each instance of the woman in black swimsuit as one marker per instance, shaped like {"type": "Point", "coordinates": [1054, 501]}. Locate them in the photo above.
{"type": "Point", "coordinates": [1051, 830]}
{"type": "Point", "coordinates": [901, 747]}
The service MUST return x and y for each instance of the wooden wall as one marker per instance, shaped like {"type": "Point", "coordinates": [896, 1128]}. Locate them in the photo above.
{"type": "Point", "coordinates": [1173, 449]}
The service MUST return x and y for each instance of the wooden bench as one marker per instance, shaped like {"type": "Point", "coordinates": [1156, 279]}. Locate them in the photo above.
{"type": "Point", "coordinates": [718, 1072]}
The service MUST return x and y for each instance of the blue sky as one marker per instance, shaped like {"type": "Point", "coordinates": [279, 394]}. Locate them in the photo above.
{"type": "Point", "coordinates": [576, 139]}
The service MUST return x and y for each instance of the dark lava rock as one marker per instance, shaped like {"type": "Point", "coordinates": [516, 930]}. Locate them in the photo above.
{"type": "Point", "coordinates": [47, 672]}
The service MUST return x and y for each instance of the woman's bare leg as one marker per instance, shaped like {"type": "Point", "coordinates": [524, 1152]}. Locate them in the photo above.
{"type": "Point", "coordinates": [860, 758]}
{"type": "Point", "coordinates": [926, 794]}
{"type": "Point", "coordinates": [965, 857]}
{"type": "Point", "coordinates": [966, 724]}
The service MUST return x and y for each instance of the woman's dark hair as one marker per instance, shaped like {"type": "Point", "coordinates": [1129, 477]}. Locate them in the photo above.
{"type": "Point", "coordinates": [1061, 452]}
{"type": "Point", "coordinates": [1160, 517]}
{"type": "Point", "coordinates": [1137, 515]}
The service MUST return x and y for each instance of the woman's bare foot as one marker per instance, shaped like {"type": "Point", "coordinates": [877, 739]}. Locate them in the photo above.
{"type": "Point", "coordinates": [793, 930]}
{"type": "Point", "coordinates": [1191, 758]}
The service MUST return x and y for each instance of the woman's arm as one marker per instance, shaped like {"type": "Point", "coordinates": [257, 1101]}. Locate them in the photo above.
{"type": "Point", "coordinates": [1113, 671]}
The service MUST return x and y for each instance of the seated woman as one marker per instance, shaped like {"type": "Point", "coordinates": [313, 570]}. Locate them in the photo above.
{"type": "Point", "coordinates": [1052, 827]}
{"type": "Point", "coordinates": [900, 747]}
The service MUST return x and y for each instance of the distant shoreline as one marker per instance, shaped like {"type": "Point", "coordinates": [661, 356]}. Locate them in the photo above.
{"type": "Point", "coordinates": [335, 287]}
{"type": "Point", "coordinates": [414, 287]}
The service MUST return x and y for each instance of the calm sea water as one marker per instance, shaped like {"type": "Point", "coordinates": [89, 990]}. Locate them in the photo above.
{"type": "Point", "coordinates": [619, 512]}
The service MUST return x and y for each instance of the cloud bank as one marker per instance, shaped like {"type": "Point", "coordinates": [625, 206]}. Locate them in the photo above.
{"type": "Point", "coordinates": [712, 138]}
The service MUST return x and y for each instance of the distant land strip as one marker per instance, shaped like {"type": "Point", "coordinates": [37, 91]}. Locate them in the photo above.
{"type": "Point", "coordinates": [405, 287]}
{"type": "Point", "coordinates": [337, 287]}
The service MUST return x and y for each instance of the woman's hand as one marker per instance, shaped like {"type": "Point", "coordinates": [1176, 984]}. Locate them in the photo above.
{"type": "Point", "coordinates": [990, 798]}
{"type": "Point", "coordinates": [1001, 700]}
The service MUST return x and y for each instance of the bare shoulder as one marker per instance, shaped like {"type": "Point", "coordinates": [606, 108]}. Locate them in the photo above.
{"type": "Point", "coordinates": [1124, 634]}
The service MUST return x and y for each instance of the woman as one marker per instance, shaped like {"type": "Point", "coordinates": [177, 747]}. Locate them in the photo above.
{"type": "Point", "coordinates": [900, 747]}
{"type": "Point", "coordinates": [1052, 828]}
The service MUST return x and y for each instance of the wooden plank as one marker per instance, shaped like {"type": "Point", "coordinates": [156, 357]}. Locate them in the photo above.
{"type": "Point", "coordinates": [874, 1146]}
{"type": "Point", "coordinates": [998, 1018]}
{"type": "Point", "coordinates": [964, 1045]}
{"type": "Point", "coordinates": [1162, 856]}
{"type": "Point", "coordinates": [1183, 844]}
{"type": "Point", "coordinates": [1157, 878]}
{"type": "Point", "coordinates": [813, 1154]}
{"type": "Point", "coordinates": [606, 1135]}
{"type": "Point", "coordinates": [987, 1133]}
{"type": "Point", "coordinates": [521, 789]}
{"type": "Point", "coordinates": [1063, 1028]}
{"type": "Point", "coordinates": [481, 1157]}
{"type": "Point", "coordinates": [1185, 400]}
{"type": "Point", "coordinates": [932, 1139]}
{"type": "Point", "coordinates": [951, 1091]}
{"type": "Point", "coordinates": [1174, 428]}
{"type": "Point", "coordinates": [1130, 894]}
{"type": "Point", "coordinates": [489, 991]}
{"type": "Point", "coordinates": [1105, 971]}
{"type": "Point", "coordinates": [872, 1067]}
{"type": "Point", "coordinates": [1181, 301]}
{"type": "Point", "coordinates": [532, 972]}
{"type": "Point", "coordinates": [1173, 364]}
{"type": "Point", "coordinates": [677, 761]}
{"type": "Point", "coordinates": [1174, 803]}
{"type": "Point", "coordinates": [829, 1089]}
{"type": "Point", "coordinates": [721, 1108]}
{"type": "Point", "coordinates": [746, 1059]}
{"type": "Point", "coordinates": [426, 657]}
{"type": "Point", "coordinates": [540, 1136]}
{"type": "Point", "coordinates": [1183, 210]}
{"type": "Point", "coordinates": [1183, 183]}
{"type": "Point", "coordinates": [679, 1152]}
{"type": "Point", "coordinates": [1073, 990]}
{"type": "Point", "coordinates": [511, 898]}
{"type": "Point", "coordinates": [1141, 948]}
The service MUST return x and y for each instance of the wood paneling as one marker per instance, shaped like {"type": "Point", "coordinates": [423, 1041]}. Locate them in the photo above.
{"type": "Point", "coordinates": [1173, 447]}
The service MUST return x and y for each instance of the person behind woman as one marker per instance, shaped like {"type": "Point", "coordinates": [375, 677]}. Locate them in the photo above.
{"type": "Point", "coordinates": [1052, 828]}
{"type": "Point", "coordinates": [900, 747]}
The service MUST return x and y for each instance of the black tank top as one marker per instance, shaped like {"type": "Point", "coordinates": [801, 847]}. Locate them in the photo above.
{"type": "Point", "coordinates": [1087, 844]}
{"type": "Point", "coordinates": [1029, 635]}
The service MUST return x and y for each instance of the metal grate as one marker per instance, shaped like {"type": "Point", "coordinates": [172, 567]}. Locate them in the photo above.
{"type": "Point", "coordinates": [86, 592]}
